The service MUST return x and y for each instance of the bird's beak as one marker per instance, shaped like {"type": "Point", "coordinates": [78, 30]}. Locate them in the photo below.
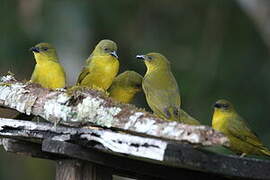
{"type": "Point", "coordinates": [34, 49]}
{"type": "Point", "coordinates": [140, 57]}
{"type": "Point", "coordinates": [113, 53]}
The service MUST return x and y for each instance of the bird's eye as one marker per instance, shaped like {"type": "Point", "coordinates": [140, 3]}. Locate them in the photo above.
{"type": "Point", "coordinates": [45, 49]}
{"type": "Point", "coordinates": [106, 49]}
{"type": "Point", "coordinates": [225, 105]}
{"type": "Point", "coordinates": [150, 57]}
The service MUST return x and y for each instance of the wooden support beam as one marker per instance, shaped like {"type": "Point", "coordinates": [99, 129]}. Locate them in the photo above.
{"type": "Point", "coordinates": [80, 170]}
{"type": "Point", "coordinates": [185, 166]}
{"type": "Point", "coordinates": [27, 148]}
{"type": "Point", "coordinates": [228, 165]}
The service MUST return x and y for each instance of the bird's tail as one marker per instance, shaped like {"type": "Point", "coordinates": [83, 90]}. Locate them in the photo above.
{"type": "Point", "coordinates": [187, 119]}
{"type": "Point", "coordinates": [265, 151]}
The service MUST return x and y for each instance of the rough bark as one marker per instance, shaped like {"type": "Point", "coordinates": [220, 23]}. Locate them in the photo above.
{"type": "Point", "coordinates": [88, 106]}
{"type": "Point", "coordinates": [119, 142]}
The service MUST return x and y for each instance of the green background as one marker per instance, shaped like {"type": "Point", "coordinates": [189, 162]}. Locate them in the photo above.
{"type": "Point", "coordinates": [214, 48]}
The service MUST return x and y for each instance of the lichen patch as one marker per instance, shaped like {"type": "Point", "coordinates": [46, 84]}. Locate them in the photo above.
{"type": "Point", "coordinates": [7, 78]}
{"type": "Point", "coordinates": [56, 107]}
{"type": "Point", "coordinates": [91, 110]}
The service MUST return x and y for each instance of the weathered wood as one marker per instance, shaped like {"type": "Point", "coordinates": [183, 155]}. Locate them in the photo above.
{"type": "Point", "coordinates": [180, 161]}
{"type": "Point", "coordinates": [129, 142]}
{"type": "Point", "coordinates": [8, 113]}
{"type": "Point", "coordinates": [114, 141]}
{"type": "Point", "coordinates": [206, 161]}
{"type": "Point", "coordinates": [89, 106]}
{"type": "Point", "coordinates": [27, 148]}
{"type": "Point", "coordinates": [79, 170]}
{"type": "Point", "coordinates": [122, 165]}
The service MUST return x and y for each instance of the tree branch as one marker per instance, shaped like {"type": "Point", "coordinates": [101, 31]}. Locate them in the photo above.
{"type": "Point", "coordinates": [89, 106]}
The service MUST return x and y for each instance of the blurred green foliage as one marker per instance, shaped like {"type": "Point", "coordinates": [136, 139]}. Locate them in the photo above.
{"type": "Point", "coordinates": [214, 49]}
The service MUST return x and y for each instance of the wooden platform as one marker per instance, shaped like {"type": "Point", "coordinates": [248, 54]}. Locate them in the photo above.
{"type": "Point", "coordinates": [78, 157]}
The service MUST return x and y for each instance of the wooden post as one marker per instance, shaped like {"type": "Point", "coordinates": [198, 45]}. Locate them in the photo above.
{"type": "Point", "coordinates": [80, 170]}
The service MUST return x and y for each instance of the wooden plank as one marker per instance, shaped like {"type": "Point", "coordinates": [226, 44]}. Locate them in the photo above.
{"type": "Point", "coordinates": [116, 141]}
{"type": "Point", "coordinates": [91, 145]}
{"type": "Point", "coordinates": [79, 170]}
{"type": "Point", "coordinates": [125, 165]}
{"type": "Point", "coordinates": [206, 161]}
{"type": "Point", "coordinates": [27, 148]}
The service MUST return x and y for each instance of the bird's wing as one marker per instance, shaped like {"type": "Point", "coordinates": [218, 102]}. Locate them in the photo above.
{"type": "Point", "coordinates": [89, 59]}
{"type": "Point", "coordinates": [85, 70]}
{"type": "Point", "coordinates": [34, 76]}
{"type": "Point", "coordinates": [162, 94]}
{"type": "Point", "coordinates": [187, 119]}
{"type": "Point", "coordinates": [83, 74]}
{"type": "Point", "coordinates": [239, 129]}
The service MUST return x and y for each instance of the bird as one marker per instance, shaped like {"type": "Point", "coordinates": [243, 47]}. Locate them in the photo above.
{"type": "Point", "coordinates": [160, 87]}
{"type": "Point", "coordinates": [242, 140]}
{"type": "Point", "coordinates": [48, 71]}
{"type": "Point", "coordinates": [101, 67]}
{"type": "Point", "coordinates": [125, 86]}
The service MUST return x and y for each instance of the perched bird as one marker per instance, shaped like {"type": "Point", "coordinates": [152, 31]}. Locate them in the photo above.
{"type": "Point", "coordinates": [48, 71]}
{"type": "Point", "coordinates": [101, 67]}
{"type": "Point", "coordinates": [125, 86]}
{"type": "Point", "coordinates": [160, 87]}
{"type": "Point", "coordinates": [187, 119]}
{"type": "Point", "coordinates": [242, 139]}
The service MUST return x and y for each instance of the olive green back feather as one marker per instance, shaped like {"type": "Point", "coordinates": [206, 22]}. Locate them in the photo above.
{"type": "Point", "coordinates": [162, 93]}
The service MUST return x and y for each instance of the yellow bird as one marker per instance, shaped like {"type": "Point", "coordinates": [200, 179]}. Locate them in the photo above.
{"type": "Point", "coordinates": [125, 86]}
{"type": "Point", "coordinates": [160, 87]}
{"type": "Point", "coordinates": [242, 140]}
{"type": "Point", "coordinates": [101, 67]}
{"type": "Point", "coordinates": [48, 71]}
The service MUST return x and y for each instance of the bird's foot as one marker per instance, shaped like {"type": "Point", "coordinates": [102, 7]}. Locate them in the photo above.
{"type": "Point", "coordinates": [243, 155]}
{"type": "Point", "coordinates": [72, 89]}
{"type": "Point", "coordinates": [61, 89]}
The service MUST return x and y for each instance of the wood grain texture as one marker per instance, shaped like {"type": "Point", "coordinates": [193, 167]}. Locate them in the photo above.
{"type": "Point", "coordinates": [115, 139]}
{"type": "Point", "coordinates": [79, 170]}
{"type": "Point", "coordinates": [180, 159]}
{"type": "Point", "coordinates": [84, 106]}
